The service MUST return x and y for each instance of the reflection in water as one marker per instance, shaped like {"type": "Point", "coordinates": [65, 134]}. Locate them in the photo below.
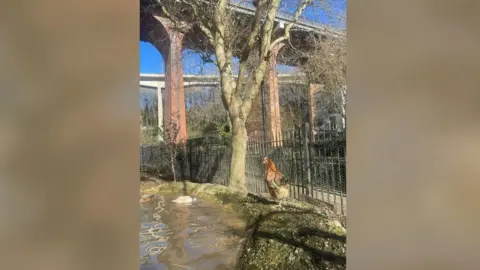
{"type": "Point", "coordinates": [176, 220]}
{"type": "Point", "coordinates": [197, 236]}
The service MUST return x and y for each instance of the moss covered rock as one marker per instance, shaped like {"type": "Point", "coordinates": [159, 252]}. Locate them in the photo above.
{"type": "Point", "coordinates": [294, 236]}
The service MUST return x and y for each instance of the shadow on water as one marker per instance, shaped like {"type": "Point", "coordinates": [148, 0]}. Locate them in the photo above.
{"type": "Point", "coordinates": [196, 236]}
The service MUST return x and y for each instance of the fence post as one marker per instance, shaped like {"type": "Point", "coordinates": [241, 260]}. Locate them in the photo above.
{"type": "Point", "coordinates": [141, 158]}
{"type": "Point", "coordinates": [307, 167]}
{"type": "Point", "coordinates": [189, 154]}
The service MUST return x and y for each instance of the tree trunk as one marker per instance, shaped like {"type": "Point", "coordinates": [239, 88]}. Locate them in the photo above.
{"type": "Point", "coordinates": [172, 164]}
{"type": "Point", "coordinates": [239, 147]}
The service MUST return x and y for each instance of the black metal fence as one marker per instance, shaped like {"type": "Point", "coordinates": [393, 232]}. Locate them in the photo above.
{"type": "Point", "coordinates": [314, 164]}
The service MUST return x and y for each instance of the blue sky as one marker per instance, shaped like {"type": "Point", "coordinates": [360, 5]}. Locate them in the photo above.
{"type": "Point", "coordinates": [152, 62]}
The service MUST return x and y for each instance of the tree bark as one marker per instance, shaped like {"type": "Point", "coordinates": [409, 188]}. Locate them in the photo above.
{"type": "Point", "coordinates": [239, 146]}
{"type": "Point", "coordinates": [172, 165]}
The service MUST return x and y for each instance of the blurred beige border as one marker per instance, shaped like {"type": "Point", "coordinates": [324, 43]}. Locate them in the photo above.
{"type": "Point", "coordinates": [69, 135]}
{"type": "Point", "coordinates": [413, 137]}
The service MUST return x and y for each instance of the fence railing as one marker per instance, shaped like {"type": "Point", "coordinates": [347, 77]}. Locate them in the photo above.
{"type": "Point", "coordinates": [314, 164]}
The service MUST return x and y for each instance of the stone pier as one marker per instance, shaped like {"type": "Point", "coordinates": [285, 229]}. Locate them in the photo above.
{"type": "Point", "coordinates": [169, 43]}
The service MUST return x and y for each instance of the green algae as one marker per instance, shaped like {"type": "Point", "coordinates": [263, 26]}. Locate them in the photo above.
{"type": "Point", "coordinates": [295, 236]}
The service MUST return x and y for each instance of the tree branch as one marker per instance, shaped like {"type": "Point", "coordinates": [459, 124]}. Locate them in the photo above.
{"type": "Point", "coordinates": [286, 36]}
{"type": "Point", "coordinates": [175, 22]}
{"type": "Point", "coordinates": [252, 40]}
{"type": "Point", "coordinates": [266, 36]}
{"type": "Point", "coordinates": [222, 54]}
{"type": "Point", "coordinates": [268, 26]}
{"type": "Point", "coordinates": [201, 25]}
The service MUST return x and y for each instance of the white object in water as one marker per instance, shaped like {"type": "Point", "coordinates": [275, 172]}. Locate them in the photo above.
{"type": "Point", "coordinates": [184, 199]}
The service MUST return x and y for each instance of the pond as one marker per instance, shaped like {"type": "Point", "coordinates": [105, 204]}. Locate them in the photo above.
{"type": "Point", "coordinates": [202, 235]}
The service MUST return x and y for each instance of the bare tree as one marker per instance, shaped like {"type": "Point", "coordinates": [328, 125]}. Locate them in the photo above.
{"type": "Point", "coordinates": [326, 66]}
{"type": "Point", "coordinates": [205, 112]}
{"type": "Point", "coordinates": [148, 121]}
{"type": "Point", "coordinates": [226, 35]}
{"type": "Point", "coordinates": [293, 105]}
{"type": "Point", "coordinates": [170, 141]}
{"type": "Point", "coordinates": [334, 101]}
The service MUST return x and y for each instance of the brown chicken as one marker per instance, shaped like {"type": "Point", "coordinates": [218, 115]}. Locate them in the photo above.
{"type": "Point", "coordinates": [274, 178]}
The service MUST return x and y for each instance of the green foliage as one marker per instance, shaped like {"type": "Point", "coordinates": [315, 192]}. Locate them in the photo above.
{"type": "Point", "coordinates": [217, 133]}
{"type": "Point", "coordinates": [205, 112]}
{"type": "Point", "coordinates": [225, 134]}
{"type": "Point", "coordinates": [211, 127]}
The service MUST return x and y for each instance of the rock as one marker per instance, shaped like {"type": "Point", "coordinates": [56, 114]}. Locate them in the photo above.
{"type": "Point", "coordinates": [338, 225]}
{"type": "Point", "coordinates": [147, 198]}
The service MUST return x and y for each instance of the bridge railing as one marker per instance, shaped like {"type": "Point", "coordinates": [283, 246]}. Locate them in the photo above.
{"type": "Point", "coordinates": [247, 7]}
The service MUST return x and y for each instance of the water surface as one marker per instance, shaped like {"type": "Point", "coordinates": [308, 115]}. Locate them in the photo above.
{"type": "Point", "coordinates": [198, 236]}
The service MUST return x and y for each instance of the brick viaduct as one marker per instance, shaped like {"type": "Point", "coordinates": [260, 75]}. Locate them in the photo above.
{"type": "Point", "coordinates": [157, 30]}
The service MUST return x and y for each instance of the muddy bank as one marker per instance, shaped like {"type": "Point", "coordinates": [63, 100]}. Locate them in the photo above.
{"type": "Point", "coordinates": [296, 236]}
